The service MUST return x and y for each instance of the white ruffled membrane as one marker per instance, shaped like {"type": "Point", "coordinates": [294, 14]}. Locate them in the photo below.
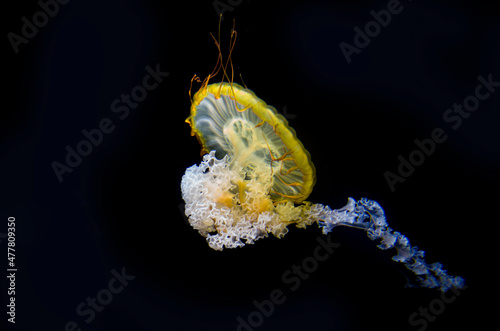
{"type": "Point", "coordinates": [232, 208]}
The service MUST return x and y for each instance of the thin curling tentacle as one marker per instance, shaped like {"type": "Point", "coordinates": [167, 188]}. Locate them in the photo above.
{"type": "Point", "coordinates": [369, 216]}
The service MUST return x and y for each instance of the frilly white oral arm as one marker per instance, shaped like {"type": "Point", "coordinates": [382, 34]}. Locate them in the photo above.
{"type": "Point", "coordinates": [231, 209]}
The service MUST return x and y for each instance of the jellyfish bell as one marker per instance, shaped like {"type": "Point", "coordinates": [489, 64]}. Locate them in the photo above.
{"type": "Point", "coordinates": [233, 121]}
{"type": "Point", "coordinates": [254, 172]}
{"type": "Point", "coordinates": [256, 175]}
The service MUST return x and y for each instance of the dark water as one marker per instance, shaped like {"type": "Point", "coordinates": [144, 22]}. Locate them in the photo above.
{"type": "Point", "coordinates": [101, 242]}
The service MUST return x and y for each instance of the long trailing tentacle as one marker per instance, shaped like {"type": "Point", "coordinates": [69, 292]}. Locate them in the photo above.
{"type": "Point", "coordinates": [369, 216]}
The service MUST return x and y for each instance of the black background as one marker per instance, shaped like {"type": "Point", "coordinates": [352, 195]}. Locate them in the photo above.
{"type": "Point", "coordinates": [121, 207]}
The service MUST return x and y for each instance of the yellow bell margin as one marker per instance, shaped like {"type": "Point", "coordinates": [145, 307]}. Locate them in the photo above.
{"type": "Point", "coordinates": [268, 114]}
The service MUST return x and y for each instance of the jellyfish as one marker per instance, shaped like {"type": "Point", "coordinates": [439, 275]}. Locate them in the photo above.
{"type": "Point", "coordinates": [256, 175]}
